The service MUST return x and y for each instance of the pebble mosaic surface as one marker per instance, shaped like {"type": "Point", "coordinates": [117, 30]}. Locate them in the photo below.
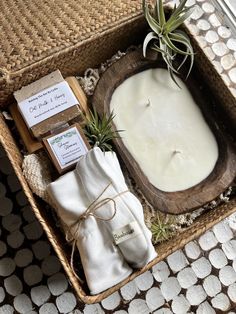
{"type": "Point", "coordinates": [200, 279]}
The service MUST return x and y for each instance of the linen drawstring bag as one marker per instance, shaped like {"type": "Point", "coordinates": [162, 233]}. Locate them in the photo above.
{"type": "Point", "coordinates": [98, 171]}
{"type": "Point", "coordinates": [103, 264]}
{"type": "Point", "coordinates": [94, 203]}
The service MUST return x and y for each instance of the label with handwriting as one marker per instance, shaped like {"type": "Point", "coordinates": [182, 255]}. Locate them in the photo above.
{"type": "Point", "coordinates": [127, 232]}
{"type": "Point", "coordinates": [47, 103]}
{"type": "Point", "coordinates": [67, 147]}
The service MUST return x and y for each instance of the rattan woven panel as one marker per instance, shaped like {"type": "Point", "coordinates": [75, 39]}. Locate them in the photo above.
{"type": "Point", "coordinates": [32, 30]}
{"type": "Point", "coordinates": [38, 36]}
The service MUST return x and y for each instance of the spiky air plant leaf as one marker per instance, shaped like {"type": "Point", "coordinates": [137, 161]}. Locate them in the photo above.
{"type": "Point", "coordinates": [165, 36]}
{"type": "Point", "coordinates": [161, 230]}
{"type": "Point", "coordinates": [99, 130]}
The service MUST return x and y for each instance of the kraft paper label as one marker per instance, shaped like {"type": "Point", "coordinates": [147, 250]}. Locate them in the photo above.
{"type": "Point", "coordinates": [47, 103]}
{"type": "Point", "coordinates": [127, 232]}
{"type": "Point", "coordinates": [68, 147]}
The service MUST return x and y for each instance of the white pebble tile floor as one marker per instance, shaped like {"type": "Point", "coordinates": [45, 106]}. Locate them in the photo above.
{"type": "Point", "coordinates": [200, 278]}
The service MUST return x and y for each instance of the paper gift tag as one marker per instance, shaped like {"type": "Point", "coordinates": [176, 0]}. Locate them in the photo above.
{"type": "Point", "coordinates": [47, 103]}
{"type": "Point", "coordinates": [126, 232]}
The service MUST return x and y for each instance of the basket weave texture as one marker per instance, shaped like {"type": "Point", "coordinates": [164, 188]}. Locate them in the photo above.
{"type": "Point", "coordinates": [40, 36]}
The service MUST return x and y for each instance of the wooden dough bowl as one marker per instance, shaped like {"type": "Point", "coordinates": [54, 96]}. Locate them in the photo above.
{"type": "Point", "coordinates": [224, 171]}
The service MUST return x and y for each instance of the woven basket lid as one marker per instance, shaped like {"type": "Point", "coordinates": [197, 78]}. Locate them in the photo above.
{"type": "Point", "coordinates": [35, 33]}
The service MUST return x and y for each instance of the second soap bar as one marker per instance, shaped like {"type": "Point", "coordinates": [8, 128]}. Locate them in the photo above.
{"type": "Point", "coordinates": [66, 147]}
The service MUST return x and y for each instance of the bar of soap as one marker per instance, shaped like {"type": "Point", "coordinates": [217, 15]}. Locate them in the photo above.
{"type": "Point", "coordinates": [66, 147]}
{"type": "Point", "coordinates": [48, 103]}
{"type": "Point", "coordinates": [32, 144]}
{"type": "Point", "coordinates": [44, 127]}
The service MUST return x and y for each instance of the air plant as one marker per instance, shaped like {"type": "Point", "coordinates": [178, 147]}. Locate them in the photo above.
{"type": "Point", "coordinates": [161, 230]}
{"type": "Point", "coordinates": [168, 39]}
{"type": "Point", "coordinates": [99, 131]}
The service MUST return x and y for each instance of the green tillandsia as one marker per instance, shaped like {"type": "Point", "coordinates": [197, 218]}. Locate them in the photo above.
{"type": "Point", "coordinates": [167, 38]}
{"type": "Point", "coordinates": [99, 130]}
{"type": "Point", "coordinates": [161, 230]}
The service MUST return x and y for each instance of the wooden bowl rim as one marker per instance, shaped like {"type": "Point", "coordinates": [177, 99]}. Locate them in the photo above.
{"type": "Point", "coordinates": [182, 201]}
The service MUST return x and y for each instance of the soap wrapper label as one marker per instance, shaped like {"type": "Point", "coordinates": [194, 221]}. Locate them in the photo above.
{"type": "Point", "coordinates": [47, 103]}
{"type": "Point", "coordinates": [67, 147]}
{"type": "Point", "coordinates": [127, 232]}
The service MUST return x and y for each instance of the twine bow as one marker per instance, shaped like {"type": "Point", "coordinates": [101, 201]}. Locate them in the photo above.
{"type": "Point", "coordinates": [90, 212]}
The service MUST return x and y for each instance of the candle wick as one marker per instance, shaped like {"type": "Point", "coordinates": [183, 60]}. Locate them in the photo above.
{"type": "Point", "coordinates": [148, 103]}
{"type": "Point", "coordinates": [176, 151]}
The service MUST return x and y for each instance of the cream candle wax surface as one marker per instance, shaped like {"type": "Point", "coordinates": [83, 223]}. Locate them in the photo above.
{"type": "Point", "coordinates": [165, 131]}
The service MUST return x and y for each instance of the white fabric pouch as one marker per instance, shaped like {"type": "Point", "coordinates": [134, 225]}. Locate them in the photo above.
{"type": "Point", "coordinates": [103, 264]}
{"type": "Point", "coordinates": [99, 171]}
{"type": "Point", "coordinates": [118, 217]}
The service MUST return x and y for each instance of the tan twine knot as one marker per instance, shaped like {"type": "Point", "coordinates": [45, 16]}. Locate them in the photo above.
{"type": "Point", "coordinates": [90, 212]}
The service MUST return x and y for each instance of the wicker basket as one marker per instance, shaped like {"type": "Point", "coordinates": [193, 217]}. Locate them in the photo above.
{"type": "Point", "coordinates": [85, 35]}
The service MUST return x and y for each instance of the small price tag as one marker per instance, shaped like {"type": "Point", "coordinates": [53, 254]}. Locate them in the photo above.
{"type": "Point", "coordinates": [47, 103]}
{"type": "Point", "coordinates": [127, 232]}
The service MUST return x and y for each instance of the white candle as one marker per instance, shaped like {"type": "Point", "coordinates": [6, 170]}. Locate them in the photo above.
{"type": "Point", "coordinates": [165, 131]}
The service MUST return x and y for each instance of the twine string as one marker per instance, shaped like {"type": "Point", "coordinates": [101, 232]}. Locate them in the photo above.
{"type": "Point", "coordinates": [90, 212]}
